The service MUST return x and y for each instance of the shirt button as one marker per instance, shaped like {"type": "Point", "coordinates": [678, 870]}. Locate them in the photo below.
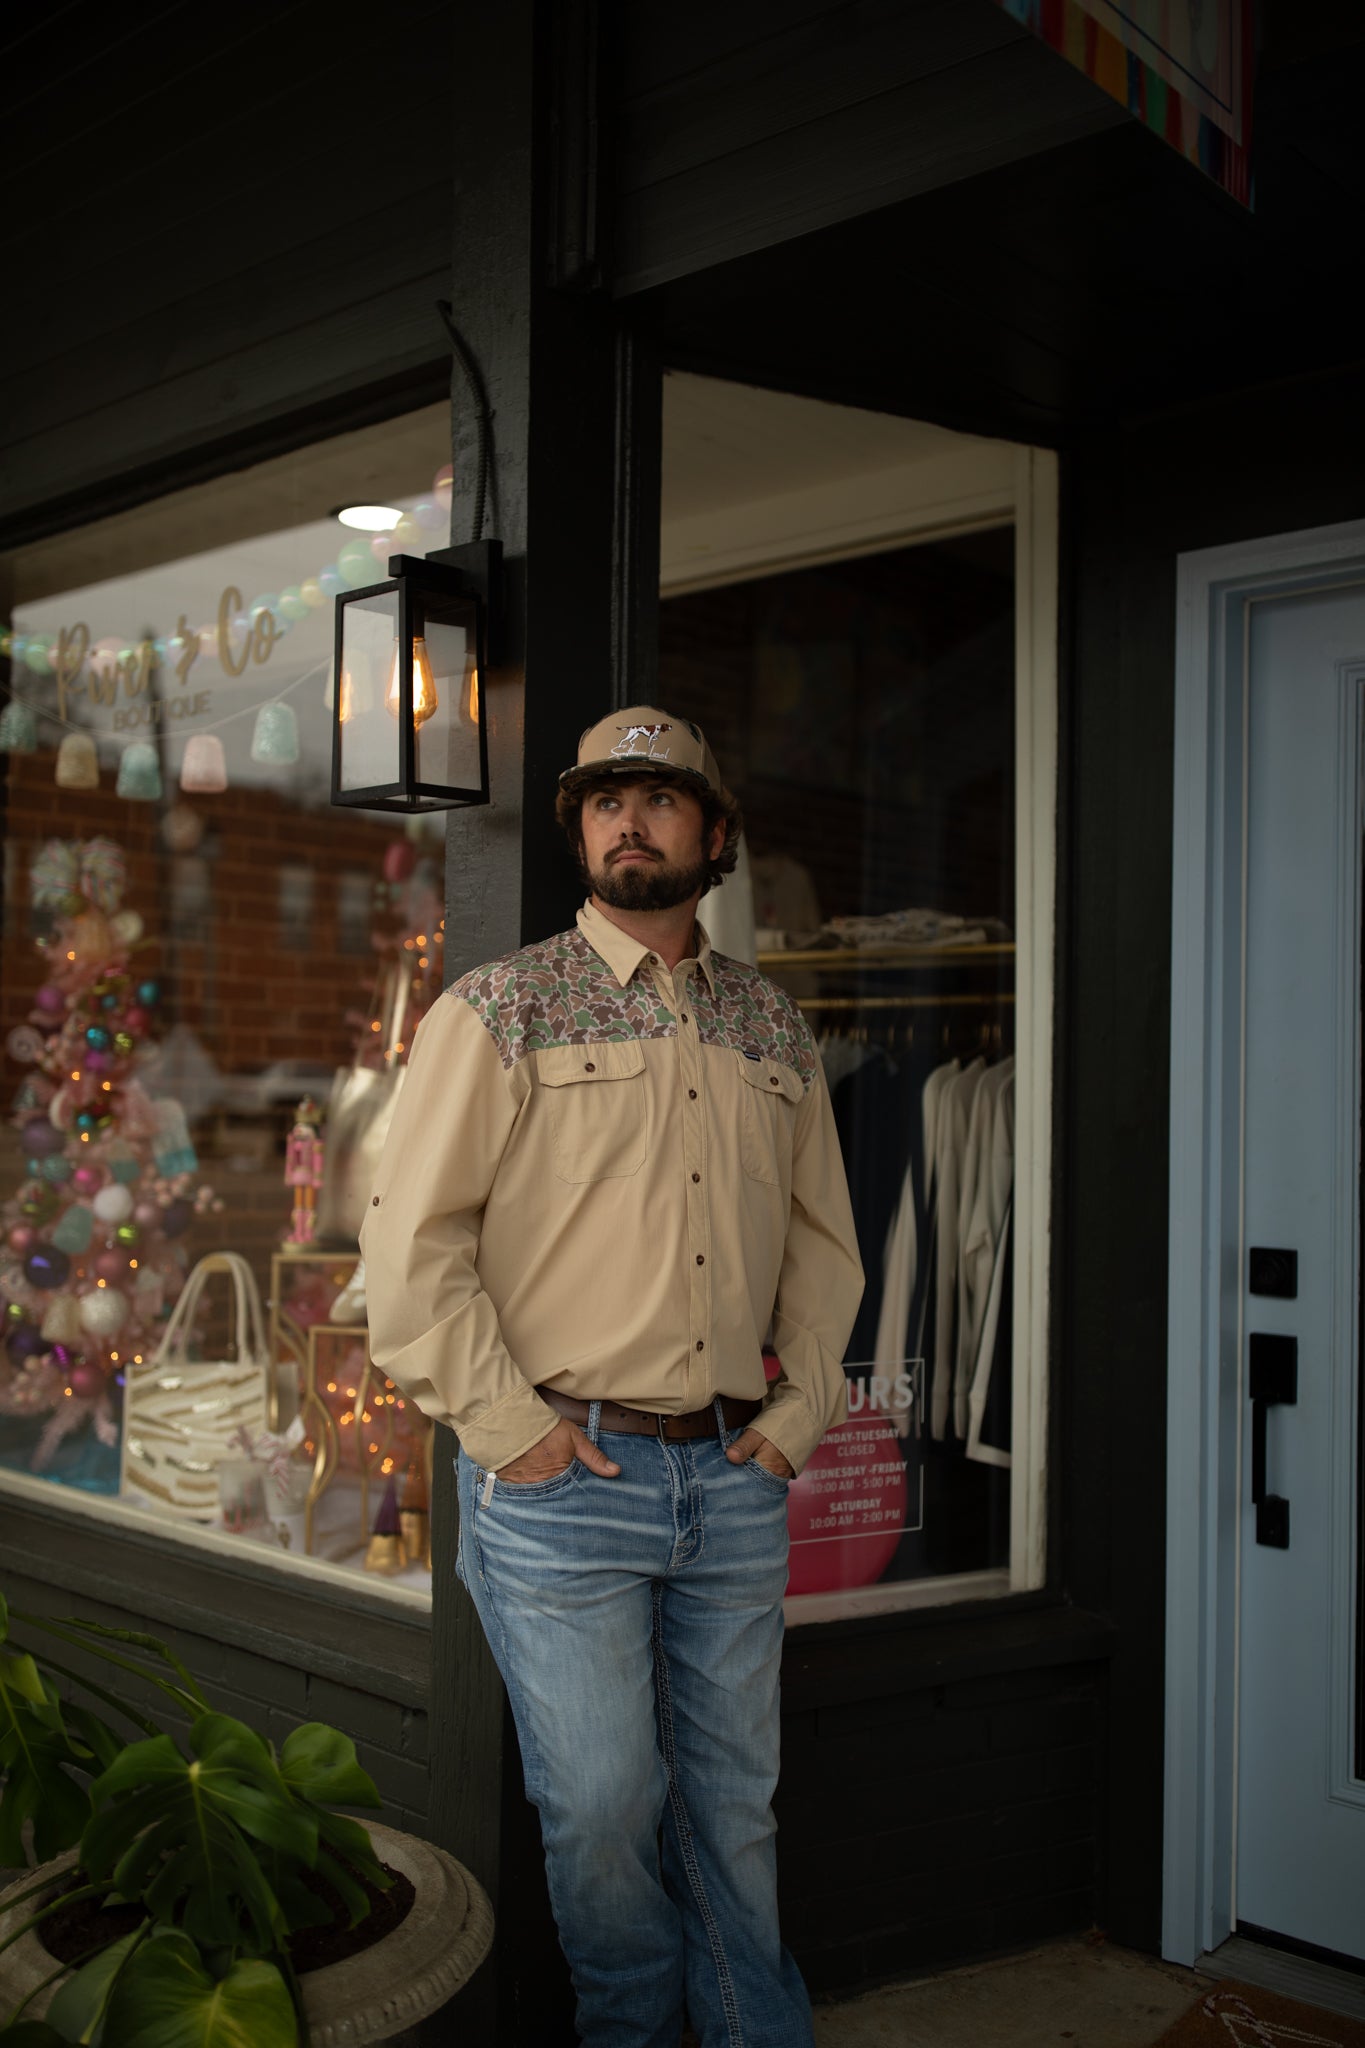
{"type": "Point", "coordinates": [692, 1093]}
{"type": "Point", "coordinates": [653, 959]}
{"type": "Point", "coordinates": [374, 1199]}
{"type": "Point", "coordinates": [773, 1078]}
{"type": "Point", "coordinates": [696, 1176]}
{"type": "Point", "coordinates": [701, 1345]}
{"type": "Point", "coordinates": [588, 1067]}
{"type": "Point", "coordinates": [701, 1258]}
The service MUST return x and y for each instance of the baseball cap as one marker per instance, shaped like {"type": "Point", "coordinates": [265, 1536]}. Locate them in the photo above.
{"type": "Point", "coordinates": [641, 739]}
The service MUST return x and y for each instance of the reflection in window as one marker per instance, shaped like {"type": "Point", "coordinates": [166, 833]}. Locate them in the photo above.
{"type": "Point", "coordinates": [863, 712]}
{"type": "Point", "coordinates": [190, 1001]}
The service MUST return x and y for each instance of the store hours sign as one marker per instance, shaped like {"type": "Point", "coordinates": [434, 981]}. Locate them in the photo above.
{"type": "Point", "coordinates": [863, 1489]}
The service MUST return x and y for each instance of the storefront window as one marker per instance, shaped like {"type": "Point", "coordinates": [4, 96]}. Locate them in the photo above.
{"type": "Point", "coordinates": [866, 712]}
{"type": "Point", "coordinates": [210, 980]}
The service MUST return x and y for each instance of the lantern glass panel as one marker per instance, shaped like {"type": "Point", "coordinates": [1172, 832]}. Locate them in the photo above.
{"type": "Point", "coordinates": [447, 739]}
{"type": "Point", "coordinates": [369, 732]}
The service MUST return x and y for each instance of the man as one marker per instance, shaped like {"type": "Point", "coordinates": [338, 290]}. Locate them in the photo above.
{"type": "Point", "coordinates": [612, 1166]}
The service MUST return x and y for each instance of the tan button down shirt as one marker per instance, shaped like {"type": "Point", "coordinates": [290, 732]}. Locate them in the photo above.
{"type": "Point", "coordinates": [607, 1178]}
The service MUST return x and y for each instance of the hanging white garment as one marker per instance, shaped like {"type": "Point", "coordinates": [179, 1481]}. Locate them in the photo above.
{"type": "Point", "coordinates": [987, 1179]}
{"type": "Point", "coordinates": [900, 1258]}
{"type": "Point", "coordinates": [727, 913]}
{"type": "Point", "coordinates": [954, 1116]}
{"type": "Point", "coordinates": [988, 1454]}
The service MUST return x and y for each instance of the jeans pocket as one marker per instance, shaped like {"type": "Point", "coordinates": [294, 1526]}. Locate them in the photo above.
{"type": "Point", "coordinates": [537, 1489]}
{"type": "Point", "coordinates": [768, 1478]}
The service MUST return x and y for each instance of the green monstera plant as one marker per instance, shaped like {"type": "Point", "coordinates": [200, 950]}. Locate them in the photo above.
{"type": "Point", "coordinates": [221, 1848]}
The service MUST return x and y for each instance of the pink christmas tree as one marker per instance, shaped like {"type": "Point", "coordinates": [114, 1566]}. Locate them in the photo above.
{"type": "Point", "coordinates": [92, 1257]}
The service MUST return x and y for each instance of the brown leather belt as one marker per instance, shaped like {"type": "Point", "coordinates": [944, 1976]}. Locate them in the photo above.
{"type": "Point", "coordinates": [639, 1422]}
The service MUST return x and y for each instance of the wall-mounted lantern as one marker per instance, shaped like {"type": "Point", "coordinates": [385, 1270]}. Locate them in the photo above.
{"type": "Point", "coordinates": [408, 730]}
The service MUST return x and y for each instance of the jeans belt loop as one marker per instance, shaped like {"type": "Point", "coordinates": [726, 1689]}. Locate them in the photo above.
{"type": "Point", "coordinates": [594, 1422]}
{"type": "Point", "coordinates": [663, 1429]}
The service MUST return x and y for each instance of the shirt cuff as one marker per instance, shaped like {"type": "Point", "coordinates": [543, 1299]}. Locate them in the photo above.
{"type": "Point", "coordinates": [502, 1433]}
{"type": "Point", "coordinates": [787, 1423]}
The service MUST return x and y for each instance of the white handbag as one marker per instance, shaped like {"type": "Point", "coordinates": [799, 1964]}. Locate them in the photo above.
{"type": "Point", "coordinates": [181, 1416]}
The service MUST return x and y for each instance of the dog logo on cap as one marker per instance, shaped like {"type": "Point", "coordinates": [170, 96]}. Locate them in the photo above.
{"type": "Point", "coordinates": [629, 748]}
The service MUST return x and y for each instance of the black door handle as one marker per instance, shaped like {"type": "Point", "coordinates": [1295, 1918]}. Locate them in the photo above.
{"type": "Point", "coordinates": [1274, 1384]}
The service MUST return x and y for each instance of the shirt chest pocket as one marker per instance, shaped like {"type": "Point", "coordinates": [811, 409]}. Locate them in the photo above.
{"type": "Point", "coordinates": [769, 1094]}
{"type": "Point", "coordinates": [595, 1095]}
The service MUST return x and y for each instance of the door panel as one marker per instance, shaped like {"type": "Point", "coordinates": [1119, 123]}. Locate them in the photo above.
{"type": "Point", "coordinates": [1300, 1799]}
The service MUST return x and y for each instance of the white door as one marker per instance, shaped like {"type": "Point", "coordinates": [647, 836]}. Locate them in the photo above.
{"type": "Point", "coordinates": [1300, 1776]}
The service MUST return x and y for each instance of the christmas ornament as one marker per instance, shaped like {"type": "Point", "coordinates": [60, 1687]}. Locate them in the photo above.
{"type": "Point", "coordinates": [87, 1180]}
{"type": "Point", "coordinates": [124, 1042]}
{"type": "Point", "coordinates": [46, 1266]}
{"type": "Point", "coordinates": [103, 1311]}
{"type": "Point", "coordinates": [127, 1235]}
{"type": "Point", "coordinates": [127, 928]}
{"type": "Point", "coordinates": [98, 1038]}
{"type": "Point", "coordinates": [276, 738]}
{"type": "Point", "coordinates": [111, 1266]}
{"type": "Point", "coordinates": [86, 1380]}
{"type": "Point", "coordinates": [21, 1238]}
{"type": "Point", "coordinates": [62, 1321]}
{"type": "Point", "coordinates": [113, 1204]}
{"type": "Point", "coordinates": [24, 1341]}
{"type": "Point", "coordinates": [24, 1044]}
{"type": "Point", "coordinates": [77, 764]}
{"type": "Point", "coordinates": [139, 773]}
{"type": "Point", "coordinates": [40, 1140]}
{"type": "Point", "coordinates": [204, 767]}
{"type": "Point", "coordinates": [56, 1170]}
{"type": "Point", "coordinates": [176, 1218]}
{"type": "Point", "coordinates": [18, 729]}
{"type": "Point", "coordinates": [15, 1312]}
{"type": "Point", "coordinates": [50, 1000]}
{"type": "Point", "coordinates": [149, 993]}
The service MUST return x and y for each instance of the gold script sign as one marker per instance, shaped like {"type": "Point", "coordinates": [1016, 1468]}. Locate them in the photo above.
{"type": "Point", "coordinates": [103, 680]}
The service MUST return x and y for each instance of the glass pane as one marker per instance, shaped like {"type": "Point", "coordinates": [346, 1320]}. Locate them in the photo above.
{"type": "Point", "coordinates": [369, 716]}
{"type": "Point", "coordinates": [221, 943]}
{"type": "Point", "coordinates": [863, 712]}
{"type": "Point", "coordinates": [448, 740]}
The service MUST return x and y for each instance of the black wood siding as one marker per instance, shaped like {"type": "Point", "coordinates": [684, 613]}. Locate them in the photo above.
{"type": "Point", "coordinates": [222, 228]}
{"type": "Point", "coordinates": [744, 123]}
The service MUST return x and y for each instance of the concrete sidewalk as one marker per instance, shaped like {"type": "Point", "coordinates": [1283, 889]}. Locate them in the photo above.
{"type": "Point", "coordinates": [1071, 1994]}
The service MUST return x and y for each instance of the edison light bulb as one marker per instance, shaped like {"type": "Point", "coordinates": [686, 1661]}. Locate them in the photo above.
{"type": "Point", "coordinates": [424, 698]}
{"type": "Point", "coordinates": [473, 696]}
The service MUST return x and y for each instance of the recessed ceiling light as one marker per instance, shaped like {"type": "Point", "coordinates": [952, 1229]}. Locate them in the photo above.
{"type": "Point", "coordinates": [370, 518]}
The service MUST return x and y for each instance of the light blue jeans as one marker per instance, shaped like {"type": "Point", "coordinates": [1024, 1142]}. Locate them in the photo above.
{"type": "Point", "coordinates": [637, 1623]}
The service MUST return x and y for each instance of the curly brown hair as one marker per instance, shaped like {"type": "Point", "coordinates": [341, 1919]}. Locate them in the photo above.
{"type": "Point", "coordinates": [716, 804]}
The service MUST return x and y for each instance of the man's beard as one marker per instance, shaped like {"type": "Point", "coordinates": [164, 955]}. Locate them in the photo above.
{"type": "Point", "coordinates": [652, 884]}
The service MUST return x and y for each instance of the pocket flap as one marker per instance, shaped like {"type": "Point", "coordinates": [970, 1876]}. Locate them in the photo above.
{"type": "Point", "coordinates": [558, 1065]}
{"type": "Point", "coordinates": [771, 1077]}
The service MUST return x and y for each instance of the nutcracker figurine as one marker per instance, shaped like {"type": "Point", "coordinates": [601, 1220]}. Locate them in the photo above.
{"type": "Point", "coordinates": [303, 1172]}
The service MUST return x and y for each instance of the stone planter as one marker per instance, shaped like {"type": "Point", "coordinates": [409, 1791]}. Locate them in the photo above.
{"type": "Point", "coordinates": [374, 1995]}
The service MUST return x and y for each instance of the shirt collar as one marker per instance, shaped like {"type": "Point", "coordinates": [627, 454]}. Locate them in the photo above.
{"type": "Point", "coordinates": [623, 954]}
